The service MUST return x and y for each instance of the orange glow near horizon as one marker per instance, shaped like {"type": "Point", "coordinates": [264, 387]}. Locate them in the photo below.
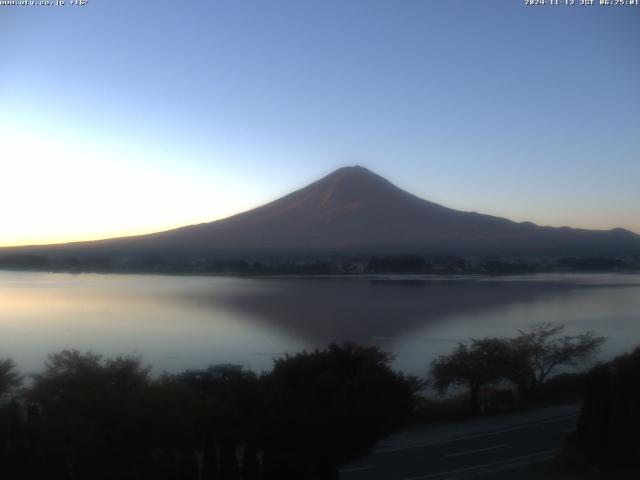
{"type": "Point", "coordinates": [54, 193]}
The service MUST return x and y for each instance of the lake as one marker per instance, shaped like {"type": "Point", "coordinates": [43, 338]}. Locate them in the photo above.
{"type": "Point", "coordinates": [179, 322]}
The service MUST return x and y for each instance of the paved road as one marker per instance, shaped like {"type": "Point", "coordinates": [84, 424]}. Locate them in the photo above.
{"type": "Point", "coordinates": [480, 453]}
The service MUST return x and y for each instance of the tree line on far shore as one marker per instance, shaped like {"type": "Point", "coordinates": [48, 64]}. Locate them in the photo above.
{"type": "Point", "coordinates": [320, 265]}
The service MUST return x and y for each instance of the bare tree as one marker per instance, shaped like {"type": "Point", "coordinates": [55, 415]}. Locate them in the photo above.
{"type": "Point", "coordinates": [542, 348]}
{"type": "Point", "coordinates": [482, 362]}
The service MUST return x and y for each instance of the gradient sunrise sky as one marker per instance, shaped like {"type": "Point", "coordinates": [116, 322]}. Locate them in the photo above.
{"type": "Point", "coordinates": [123, 117]}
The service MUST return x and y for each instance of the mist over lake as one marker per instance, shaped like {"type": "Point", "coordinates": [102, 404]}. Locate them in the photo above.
{"type": "Point", "coordinates": [179, 322]}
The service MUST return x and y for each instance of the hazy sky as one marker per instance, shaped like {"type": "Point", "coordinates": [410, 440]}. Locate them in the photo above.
{"type": "Point", "coordinates": [123, 116]}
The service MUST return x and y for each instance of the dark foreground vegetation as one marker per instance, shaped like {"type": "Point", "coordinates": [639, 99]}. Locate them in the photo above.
{"type": "Point", "coordinates": [606, 444]}
{"type": "Point", "coordinates": [389, 264]}
{"type": "Point", "coordinates": [609, 422]}
{"type": "Point", "coordinates": [86, 417]}
{"type": "Point", "coordinates": [524, 364]}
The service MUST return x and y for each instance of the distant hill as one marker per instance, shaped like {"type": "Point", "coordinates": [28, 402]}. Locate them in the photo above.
{"type": "Point", "coordinates": [353, 211]}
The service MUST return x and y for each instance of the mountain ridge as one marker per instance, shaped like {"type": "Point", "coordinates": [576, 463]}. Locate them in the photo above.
{"type": "Point", "coordinates": [355, 211]}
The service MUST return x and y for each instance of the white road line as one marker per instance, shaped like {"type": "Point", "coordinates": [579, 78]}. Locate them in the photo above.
{"type": "Point", "coordinates": [478, 450]}
{"type": "Point", "coordinates": [355, 469]}
{"type": "Point", "coordinates": [492, 466]}
{"type": "Point", "coordinates": [479, 435]}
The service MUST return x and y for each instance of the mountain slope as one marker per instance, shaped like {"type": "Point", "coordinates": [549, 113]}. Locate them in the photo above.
{"type": "Point", "coordinates": [355, 211]}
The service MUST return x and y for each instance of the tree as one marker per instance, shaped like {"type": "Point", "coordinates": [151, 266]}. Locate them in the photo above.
{"type": "Point", "coordinates": [9, 378]}
{"type": "Point", "coordinates": [610, 416]}
{"type": "Point", "coordinates": [94, 412]}
{"type": "Point", "coordinates": [12, 434]}
{"type": "Point", "coordinates": [329, 407]}
{"type": "Point", "coordinates": [542, 348]}
{"type": "Point", "coordinates": [473, 366]}
{"type": "Point", "coordinates": [231, 415]}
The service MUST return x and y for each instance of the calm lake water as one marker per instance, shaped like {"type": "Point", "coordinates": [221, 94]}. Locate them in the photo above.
{"type": "Point", "coordinates": [179, 322]}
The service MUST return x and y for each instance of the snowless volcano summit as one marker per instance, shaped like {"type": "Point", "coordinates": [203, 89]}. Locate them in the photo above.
{"type": "Point", "coordinates": [355, 211]}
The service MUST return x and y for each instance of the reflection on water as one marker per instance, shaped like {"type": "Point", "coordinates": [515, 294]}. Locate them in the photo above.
{"type": "Point", "coordinates": [182, 322]}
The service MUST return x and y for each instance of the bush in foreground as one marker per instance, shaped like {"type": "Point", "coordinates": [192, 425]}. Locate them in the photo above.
{"type": "Point", "coordinates": [87, 417]}
{"type": "Point", "coordinates": [610, 418]}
